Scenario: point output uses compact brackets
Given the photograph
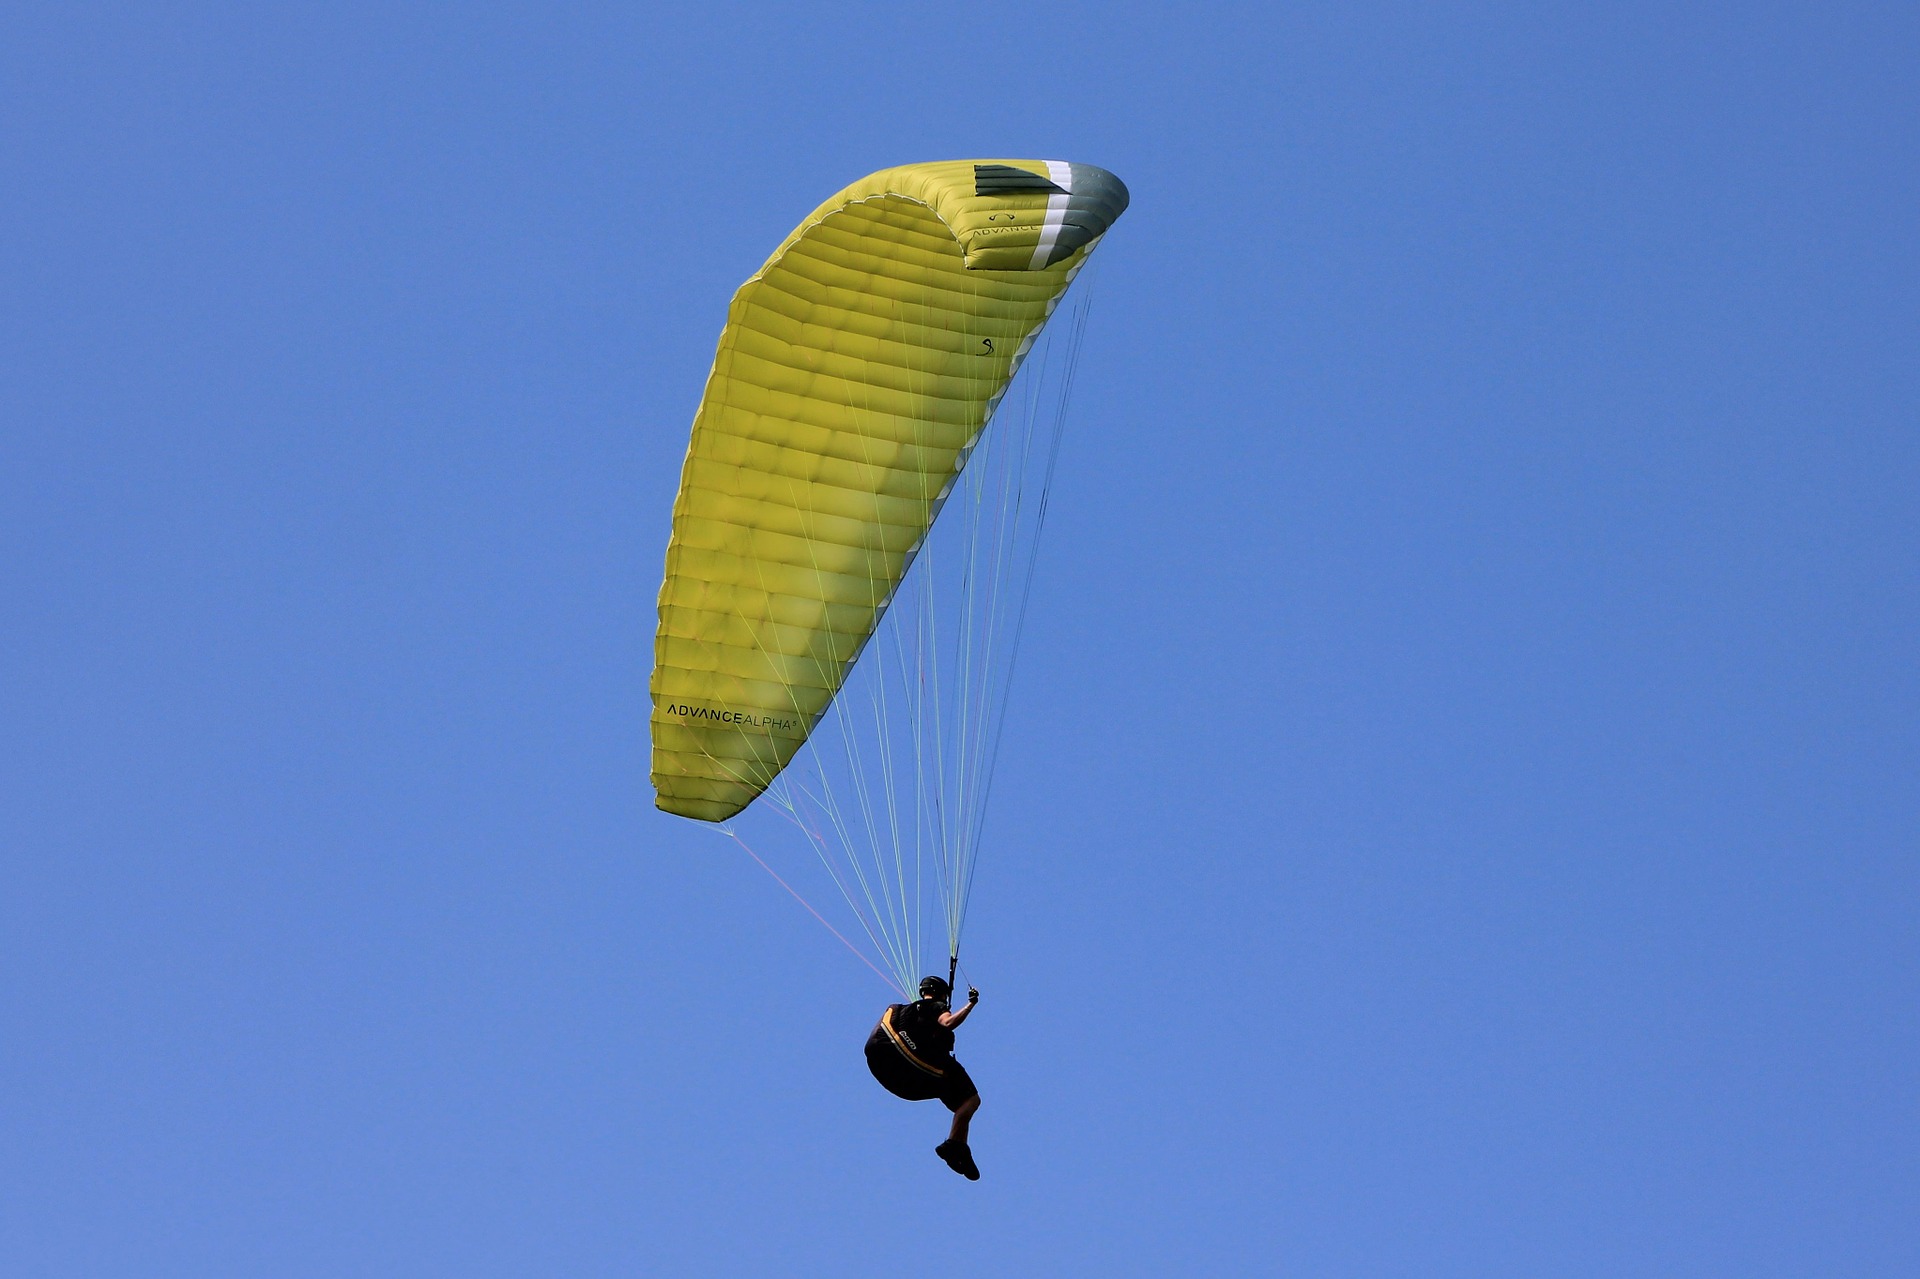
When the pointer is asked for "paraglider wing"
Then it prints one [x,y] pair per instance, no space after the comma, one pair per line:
[855,373]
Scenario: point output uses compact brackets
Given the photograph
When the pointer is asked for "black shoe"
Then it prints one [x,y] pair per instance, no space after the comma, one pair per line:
[959,1158]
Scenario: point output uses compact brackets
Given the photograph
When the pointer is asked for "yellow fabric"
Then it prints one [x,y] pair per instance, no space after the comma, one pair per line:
[856,370]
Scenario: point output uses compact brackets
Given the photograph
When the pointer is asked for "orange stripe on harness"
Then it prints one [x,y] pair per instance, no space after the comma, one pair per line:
[886,1023]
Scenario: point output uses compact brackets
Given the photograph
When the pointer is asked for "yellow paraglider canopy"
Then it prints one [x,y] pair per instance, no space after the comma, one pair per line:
[854,376]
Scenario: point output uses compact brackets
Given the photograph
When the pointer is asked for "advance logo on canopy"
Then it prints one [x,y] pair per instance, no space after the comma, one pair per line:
[698,715]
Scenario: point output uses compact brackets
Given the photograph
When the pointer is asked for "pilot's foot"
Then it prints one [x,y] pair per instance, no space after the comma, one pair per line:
[959,1158]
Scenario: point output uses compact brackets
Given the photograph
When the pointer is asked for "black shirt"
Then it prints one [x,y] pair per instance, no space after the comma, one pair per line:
[919,1024]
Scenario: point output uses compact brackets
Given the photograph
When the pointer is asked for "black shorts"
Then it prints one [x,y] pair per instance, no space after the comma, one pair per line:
[952,1087]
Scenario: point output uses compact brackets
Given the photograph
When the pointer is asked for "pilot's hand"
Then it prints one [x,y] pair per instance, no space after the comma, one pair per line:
[973,994]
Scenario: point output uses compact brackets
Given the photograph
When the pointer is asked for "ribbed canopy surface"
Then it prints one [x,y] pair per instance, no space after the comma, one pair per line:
[855,372]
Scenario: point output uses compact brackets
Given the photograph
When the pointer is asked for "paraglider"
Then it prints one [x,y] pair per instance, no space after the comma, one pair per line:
[848,404]
[911,1053]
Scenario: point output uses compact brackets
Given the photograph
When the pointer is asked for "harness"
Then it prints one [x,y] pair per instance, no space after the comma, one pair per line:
[906,1046]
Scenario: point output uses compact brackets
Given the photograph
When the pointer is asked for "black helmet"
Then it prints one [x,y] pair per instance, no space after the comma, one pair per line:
[935,988]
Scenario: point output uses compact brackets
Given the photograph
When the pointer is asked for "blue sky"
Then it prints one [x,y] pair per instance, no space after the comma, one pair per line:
[1458,810]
